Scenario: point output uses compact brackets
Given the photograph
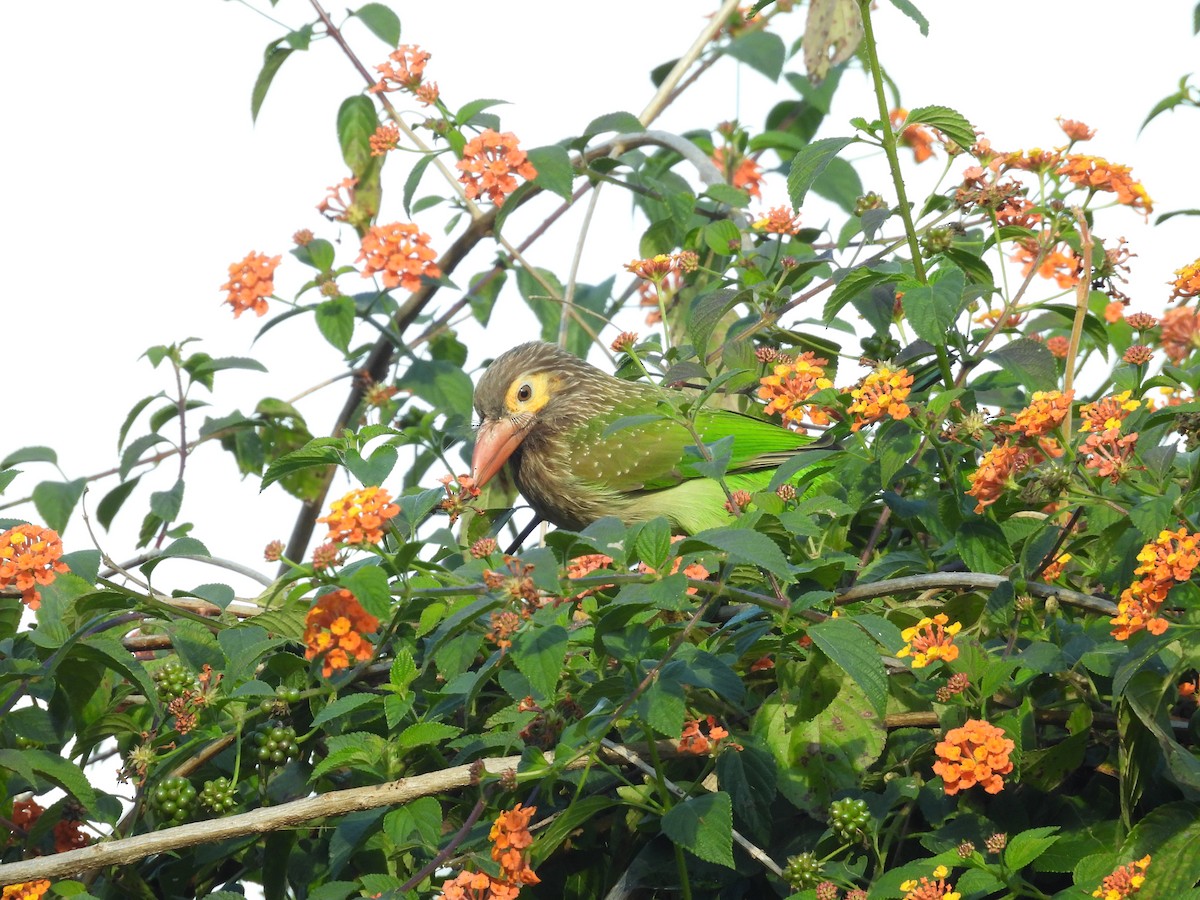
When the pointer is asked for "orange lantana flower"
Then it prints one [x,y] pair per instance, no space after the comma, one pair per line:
[250,282]
[930,640]
[1108,412]
[1124,881]
[29,556]
[359,517]
[404,72]
[489,162]
[976,753]
[882,393]
[340,197]
[780,220]
[791,384]
[335,628]
[742,172]
[385,138]
[1180,332]
[1058,346]
[1188,283]
[1099,174]
[1109,452]
[995,469]
[26,890]
[1045,413]
[400,253]
[930,890]
[693,740]
[1076,131]
[511,840]
[1167,561]
[1060,264]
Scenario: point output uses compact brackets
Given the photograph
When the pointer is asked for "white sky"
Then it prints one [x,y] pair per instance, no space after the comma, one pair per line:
[135,177]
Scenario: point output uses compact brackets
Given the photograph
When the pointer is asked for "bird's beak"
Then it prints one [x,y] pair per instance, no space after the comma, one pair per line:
[494,444]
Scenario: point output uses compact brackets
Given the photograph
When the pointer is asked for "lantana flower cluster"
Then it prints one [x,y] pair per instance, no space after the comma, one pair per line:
[1124,881]
[336,628]
[925,889]
[360,516]
[1165,562]
[490,163]
[929,640]
[250,283]
[881,394]
[791,384]
[400,254]
[29,557]
[511,841]
[976,753]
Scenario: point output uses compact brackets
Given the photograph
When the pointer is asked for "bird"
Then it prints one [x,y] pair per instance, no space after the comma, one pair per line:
[582,444]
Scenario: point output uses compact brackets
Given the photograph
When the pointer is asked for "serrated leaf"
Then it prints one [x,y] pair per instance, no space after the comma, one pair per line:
[554,171]
[342,706]
[30,454]
[369,585]
[809,163]
[55,501]
[620,122]
[983,547]
[538,653]
[166,504]
[424,733]
[317,452]
[215,593]
[855,282]
[855,653]
[743,546]
[356,122]
[703,826]
[382,22]
[1025,847]
[946,120]
[906,7]
[1030,361]
[933,309]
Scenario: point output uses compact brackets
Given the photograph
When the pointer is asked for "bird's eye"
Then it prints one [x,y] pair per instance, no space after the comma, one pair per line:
[525,392]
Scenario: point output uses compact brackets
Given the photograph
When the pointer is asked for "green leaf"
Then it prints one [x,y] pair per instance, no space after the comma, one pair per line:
[950,123]
[722,237]
[133,453]
[703,826]
[107,508]
[810,163]
[443,385]
[30,454]
[273,57]
[424,733]
[7,477]
[853,283]
[472,108]
[763,51]
[983,547]
[840,184]
[369,585]
[335,321]
[619,122]
[382,22]
[55,501]
[418,822]
[356,122]
[855,653]
[317,452]
[653,543]
[554,171]
[538,653]
[1027,846]
[1029,361]
[166,504]
[932,309]
[743,546]
[217,594]
[372,472]
[906,7]
[63,773]
[342,706]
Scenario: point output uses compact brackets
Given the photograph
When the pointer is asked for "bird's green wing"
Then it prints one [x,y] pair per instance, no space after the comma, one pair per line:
[634,448]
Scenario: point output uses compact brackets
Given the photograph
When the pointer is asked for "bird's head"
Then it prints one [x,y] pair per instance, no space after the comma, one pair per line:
[535,389]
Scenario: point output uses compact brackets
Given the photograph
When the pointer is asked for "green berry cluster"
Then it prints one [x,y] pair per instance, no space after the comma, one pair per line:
[849,818]
[284,697]
[219,796]
[937,240]
[172,800]
[880,346]
[275,744]
[173,679]
[803,871]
